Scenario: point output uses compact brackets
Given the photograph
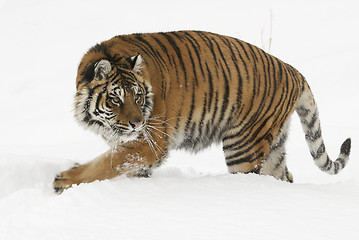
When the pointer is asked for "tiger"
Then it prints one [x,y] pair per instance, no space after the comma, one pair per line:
[149,93]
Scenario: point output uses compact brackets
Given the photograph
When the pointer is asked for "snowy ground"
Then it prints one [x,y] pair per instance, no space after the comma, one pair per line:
[192,196]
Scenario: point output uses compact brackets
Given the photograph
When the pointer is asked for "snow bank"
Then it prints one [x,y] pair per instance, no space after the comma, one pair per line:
[175,205]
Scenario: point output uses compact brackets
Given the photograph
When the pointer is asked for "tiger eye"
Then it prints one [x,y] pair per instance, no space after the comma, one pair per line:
[116,101]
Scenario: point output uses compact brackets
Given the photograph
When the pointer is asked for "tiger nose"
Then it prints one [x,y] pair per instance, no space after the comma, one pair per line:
[136,123]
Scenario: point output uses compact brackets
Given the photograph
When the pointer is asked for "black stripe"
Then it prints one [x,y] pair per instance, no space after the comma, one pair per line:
[222,57]
[239,161]
[302,111]
[209,44]
[327,166]
[255,71]
[252,52]
[164,52]
[280,68]
[254,137]
[341,161]
[336,167]
[321,150]
[179,119]
[250,158]
[201,121]
[242,46]
[271,67]
[192,131]
[263,75]
[87,117]
[98,107]
[193,66]
[215,108]
[330,166]
[313,136]
[313,120]
[244,63]
[281,159]
[230,118]
[190,115]
[146,49]
[210,83]
[95,122]
[282,140]
[225,96]
[254,117]
[240,153]
[89,99]
[154,54]
[253,122]
[212,124]
[235,62]
[287,175]
[196,47]
[174,45]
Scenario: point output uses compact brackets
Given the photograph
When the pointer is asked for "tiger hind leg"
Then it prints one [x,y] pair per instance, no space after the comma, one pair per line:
[242,156]
[275,162]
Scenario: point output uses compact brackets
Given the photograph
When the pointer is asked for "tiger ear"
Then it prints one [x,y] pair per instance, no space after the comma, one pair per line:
[102,68]
[136,63]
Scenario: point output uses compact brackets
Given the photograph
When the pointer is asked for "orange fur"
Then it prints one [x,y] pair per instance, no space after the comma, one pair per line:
[205,88]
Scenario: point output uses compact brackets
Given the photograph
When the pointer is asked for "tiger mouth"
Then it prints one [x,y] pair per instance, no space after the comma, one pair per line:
[128,131]
[116,136]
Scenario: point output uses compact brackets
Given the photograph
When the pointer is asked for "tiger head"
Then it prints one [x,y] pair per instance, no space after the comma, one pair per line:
[113,99]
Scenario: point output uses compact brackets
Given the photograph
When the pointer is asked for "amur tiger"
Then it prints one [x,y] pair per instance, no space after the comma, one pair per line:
[146,94]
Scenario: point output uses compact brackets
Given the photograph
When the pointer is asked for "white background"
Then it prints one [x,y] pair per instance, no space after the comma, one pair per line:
[191,196]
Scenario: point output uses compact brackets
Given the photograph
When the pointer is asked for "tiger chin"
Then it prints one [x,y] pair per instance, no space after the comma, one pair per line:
[146,94]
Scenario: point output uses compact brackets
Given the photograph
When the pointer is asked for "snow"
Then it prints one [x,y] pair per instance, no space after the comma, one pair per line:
[191,196]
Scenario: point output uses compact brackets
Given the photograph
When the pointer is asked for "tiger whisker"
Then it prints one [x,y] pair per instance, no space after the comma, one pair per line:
[159,120]
[162,123]
[113,147]
[112,135]
[152,131]
[150,144]
[155,143]
[155,128]
[159,115]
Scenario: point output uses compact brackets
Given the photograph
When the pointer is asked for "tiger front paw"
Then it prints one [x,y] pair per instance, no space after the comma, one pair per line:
[66,179]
